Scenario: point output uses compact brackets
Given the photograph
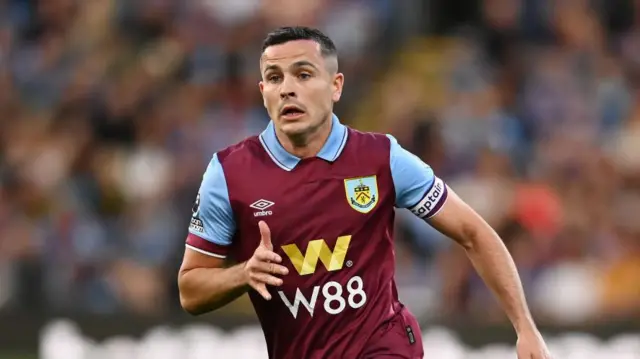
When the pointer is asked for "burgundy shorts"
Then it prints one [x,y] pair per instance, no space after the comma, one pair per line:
[399,338]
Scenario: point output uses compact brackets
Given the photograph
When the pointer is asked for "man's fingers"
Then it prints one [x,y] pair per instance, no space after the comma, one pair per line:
[265,234]
[533,355]
[266,279]
[271,268]
[267,256]
[261,288]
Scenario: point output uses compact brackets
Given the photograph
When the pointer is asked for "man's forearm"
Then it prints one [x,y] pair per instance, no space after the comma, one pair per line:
[495,265]
[206,289]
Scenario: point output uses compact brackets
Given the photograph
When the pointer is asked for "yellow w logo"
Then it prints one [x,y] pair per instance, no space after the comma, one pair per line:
[318,249]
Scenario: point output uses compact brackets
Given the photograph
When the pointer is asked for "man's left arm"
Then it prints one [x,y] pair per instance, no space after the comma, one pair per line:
[489,256]
[428,197]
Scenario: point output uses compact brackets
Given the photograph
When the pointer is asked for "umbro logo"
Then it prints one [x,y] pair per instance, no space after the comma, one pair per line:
[261,205]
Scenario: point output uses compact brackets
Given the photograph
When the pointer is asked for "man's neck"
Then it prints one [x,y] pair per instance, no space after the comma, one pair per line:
[308,145]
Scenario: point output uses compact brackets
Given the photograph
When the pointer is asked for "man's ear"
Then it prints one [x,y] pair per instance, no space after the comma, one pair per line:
[261,86]
[338,85]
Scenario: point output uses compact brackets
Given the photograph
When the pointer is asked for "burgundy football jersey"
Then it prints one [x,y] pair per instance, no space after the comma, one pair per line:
[332,221]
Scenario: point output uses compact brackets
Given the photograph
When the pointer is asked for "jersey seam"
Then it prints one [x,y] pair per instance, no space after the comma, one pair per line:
[423,194]
[209,239]
[232,214]
[194,248]
[272,155]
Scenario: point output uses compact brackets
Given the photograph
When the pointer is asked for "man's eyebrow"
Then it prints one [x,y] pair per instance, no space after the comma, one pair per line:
[271,67]
[298,64]
[304,63]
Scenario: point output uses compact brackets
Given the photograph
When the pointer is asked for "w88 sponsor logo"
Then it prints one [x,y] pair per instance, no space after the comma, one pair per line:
[333,292]
[334,298]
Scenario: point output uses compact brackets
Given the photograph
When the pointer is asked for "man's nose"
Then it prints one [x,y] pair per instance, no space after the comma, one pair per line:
[286,94]
[287,90]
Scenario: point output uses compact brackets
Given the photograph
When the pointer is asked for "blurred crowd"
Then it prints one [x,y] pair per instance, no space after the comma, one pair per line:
[530,110]
[111,109]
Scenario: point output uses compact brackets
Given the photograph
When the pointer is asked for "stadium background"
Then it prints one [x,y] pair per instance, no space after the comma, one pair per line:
[111,109]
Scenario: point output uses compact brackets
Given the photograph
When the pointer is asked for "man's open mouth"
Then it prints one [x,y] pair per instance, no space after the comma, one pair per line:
[291,111]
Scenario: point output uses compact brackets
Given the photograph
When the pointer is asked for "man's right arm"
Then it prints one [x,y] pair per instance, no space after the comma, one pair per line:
[205,281]
[206,284]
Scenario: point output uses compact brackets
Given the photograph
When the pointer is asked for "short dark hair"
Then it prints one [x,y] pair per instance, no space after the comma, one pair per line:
[292,33]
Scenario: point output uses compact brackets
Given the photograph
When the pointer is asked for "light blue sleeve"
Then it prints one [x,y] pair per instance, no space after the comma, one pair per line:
[417,187]
[212,217]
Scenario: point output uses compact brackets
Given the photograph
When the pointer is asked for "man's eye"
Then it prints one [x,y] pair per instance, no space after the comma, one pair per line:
[304,76]
[273,78]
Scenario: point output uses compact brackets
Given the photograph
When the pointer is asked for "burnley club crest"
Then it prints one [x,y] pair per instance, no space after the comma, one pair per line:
[362,193]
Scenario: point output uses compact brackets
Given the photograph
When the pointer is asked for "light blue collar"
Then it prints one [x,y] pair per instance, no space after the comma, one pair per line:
[285,160]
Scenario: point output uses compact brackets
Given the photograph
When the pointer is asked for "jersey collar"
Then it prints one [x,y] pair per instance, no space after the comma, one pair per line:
[285,160]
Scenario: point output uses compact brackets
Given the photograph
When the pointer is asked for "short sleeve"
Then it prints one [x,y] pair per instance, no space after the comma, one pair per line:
[212,224]
[417,188]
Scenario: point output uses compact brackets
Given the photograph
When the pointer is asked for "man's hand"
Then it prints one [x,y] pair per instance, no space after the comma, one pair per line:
[260,269]
[531,346]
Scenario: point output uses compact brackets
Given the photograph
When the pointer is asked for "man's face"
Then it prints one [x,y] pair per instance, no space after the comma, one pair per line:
[299,86]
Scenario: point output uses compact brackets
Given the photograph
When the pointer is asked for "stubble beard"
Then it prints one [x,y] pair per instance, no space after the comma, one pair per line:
[302,135]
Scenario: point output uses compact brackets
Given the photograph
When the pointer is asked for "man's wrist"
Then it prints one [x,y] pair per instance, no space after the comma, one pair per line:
[243,276]
[525,326]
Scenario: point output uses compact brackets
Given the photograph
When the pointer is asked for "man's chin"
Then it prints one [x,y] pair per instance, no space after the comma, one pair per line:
[294,128]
